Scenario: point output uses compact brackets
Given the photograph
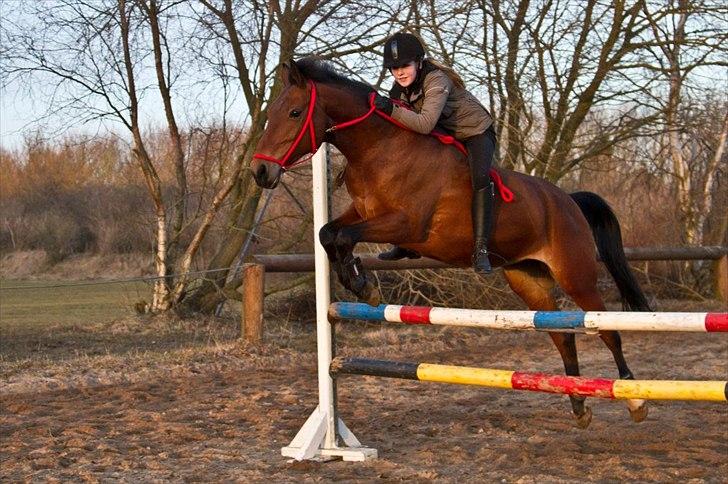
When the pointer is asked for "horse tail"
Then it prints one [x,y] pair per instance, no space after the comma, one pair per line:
[608,238]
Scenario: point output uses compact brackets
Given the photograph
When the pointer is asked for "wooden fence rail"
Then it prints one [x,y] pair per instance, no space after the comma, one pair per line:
[304,262]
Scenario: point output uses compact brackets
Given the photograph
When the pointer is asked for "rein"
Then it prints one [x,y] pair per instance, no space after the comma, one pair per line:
[444,138]
[505,193]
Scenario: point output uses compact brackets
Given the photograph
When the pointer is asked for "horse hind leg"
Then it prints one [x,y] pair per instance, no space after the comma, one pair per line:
[584,293]
[637,408]
[532,282]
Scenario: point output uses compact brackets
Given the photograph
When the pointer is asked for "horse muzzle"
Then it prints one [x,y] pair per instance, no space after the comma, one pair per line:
[267,175]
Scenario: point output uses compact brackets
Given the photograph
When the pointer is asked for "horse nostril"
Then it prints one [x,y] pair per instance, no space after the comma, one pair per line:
[260,173]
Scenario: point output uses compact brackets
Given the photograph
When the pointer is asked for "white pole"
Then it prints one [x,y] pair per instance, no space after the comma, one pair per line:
[323,293]
[317,437]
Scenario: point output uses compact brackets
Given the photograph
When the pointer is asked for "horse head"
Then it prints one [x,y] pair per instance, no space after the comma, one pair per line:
[294,125]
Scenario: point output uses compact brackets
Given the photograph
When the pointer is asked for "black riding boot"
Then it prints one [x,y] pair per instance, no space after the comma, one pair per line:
[397,253]
[482,212]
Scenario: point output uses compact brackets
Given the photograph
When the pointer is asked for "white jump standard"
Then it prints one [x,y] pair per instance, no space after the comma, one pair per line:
[318,436]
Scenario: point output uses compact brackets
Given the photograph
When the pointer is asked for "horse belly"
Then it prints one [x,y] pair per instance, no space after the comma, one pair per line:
[449,239]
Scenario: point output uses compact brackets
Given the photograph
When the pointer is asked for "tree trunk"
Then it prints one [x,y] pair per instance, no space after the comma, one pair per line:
[246,193]
[160,298]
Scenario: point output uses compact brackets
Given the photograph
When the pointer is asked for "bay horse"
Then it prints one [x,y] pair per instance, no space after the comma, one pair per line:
[412,190]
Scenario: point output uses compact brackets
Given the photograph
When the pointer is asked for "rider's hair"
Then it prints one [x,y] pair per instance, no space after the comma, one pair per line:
[449,72]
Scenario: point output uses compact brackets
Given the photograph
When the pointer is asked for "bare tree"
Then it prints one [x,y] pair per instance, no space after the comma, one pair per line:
[261,36]
[93,57]
[568,83]
[689,37]
[562,64]
[102,60]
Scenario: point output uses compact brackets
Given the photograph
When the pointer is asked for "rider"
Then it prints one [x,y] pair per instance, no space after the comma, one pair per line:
[438,96]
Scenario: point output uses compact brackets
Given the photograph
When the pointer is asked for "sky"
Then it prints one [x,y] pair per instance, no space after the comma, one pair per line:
[18,112]
[196,98]
[23,112]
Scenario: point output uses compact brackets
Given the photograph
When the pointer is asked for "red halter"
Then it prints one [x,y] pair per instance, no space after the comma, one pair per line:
[307,124]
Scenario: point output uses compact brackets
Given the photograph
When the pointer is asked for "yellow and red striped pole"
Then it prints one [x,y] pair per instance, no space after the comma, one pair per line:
[714,391]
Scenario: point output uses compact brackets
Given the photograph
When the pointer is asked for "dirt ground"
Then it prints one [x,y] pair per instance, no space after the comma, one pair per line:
[222,413]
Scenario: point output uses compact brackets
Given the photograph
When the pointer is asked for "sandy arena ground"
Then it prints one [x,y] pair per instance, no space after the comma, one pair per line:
[225,414]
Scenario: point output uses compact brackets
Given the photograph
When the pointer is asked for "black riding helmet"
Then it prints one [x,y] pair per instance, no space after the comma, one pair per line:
[401,49]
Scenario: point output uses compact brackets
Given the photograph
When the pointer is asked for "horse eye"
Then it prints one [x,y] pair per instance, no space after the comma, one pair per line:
[294,113]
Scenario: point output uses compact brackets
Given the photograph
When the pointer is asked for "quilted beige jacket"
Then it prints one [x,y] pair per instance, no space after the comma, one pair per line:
[439,103]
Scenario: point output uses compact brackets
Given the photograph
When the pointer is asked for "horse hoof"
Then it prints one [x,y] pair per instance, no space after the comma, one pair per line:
[639,414]
[583,420]
[373,297]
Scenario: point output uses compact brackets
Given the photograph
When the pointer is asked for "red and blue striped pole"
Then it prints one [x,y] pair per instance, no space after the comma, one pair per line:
[589,321]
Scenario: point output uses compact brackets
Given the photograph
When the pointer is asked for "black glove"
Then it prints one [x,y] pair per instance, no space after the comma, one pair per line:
[384,104]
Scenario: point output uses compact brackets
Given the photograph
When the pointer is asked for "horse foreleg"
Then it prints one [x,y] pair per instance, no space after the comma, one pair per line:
[389,228]
[328,235]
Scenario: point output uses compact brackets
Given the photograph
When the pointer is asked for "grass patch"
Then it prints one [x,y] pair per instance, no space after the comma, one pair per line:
[40,325]
[31,305]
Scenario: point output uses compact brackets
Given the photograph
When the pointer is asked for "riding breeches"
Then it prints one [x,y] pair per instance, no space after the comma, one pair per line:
[480,157]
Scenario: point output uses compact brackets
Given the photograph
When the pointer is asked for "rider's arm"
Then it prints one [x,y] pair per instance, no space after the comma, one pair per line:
[436,89]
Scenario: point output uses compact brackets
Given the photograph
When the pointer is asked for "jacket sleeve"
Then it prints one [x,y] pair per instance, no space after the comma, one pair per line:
[435,93]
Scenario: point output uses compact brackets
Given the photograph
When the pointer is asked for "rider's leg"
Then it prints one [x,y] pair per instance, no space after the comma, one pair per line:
[480,156]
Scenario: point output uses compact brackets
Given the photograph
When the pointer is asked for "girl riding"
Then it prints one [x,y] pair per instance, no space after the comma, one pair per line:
[438,97]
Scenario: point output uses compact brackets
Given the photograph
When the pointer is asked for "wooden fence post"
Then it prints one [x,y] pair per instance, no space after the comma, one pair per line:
[253,294]
[721,278]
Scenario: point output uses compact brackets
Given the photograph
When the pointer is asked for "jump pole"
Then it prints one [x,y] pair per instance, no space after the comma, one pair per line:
[317,439]
[710,391]
[573,321]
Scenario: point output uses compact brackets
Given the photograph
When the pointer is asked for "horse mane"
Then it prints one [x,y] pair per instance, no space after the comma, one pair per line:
[319,70]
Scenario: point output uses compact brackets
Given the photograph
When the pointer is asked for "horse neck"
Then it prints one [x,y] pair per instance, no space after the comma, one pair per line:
[355,141]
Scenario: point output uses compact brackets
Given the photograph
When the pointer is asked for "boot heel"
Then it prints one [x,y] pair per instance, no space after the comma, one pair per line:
[481,262]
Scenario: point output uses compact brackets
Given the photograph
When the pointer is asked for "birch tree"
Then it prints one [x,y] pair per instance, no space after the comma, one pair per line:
[690,37]
[92,59]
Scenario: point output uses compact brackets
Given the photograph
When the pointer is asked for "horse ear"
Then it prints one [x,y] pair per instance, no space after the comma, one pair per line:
[291,74]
